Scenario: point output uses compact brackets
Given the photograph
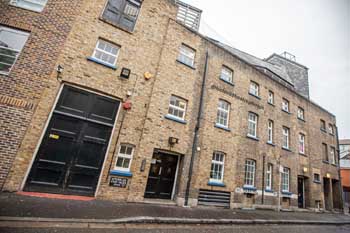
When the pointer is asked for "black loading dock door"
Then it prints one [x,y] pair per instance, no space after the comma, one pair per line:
[72,151]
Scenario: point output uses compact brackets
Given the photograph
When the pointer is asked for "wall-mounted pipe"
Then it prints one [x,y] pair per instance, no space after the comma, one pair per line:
[196,130]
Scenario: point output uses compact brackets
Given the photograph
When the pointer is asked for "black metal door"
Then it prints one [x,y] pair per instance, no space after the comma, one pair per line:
[72,152]
[161,176]
[300,192]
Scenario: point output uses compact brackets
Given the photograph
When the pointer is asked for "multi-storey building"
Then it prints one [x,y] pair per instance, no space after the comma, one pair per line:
[125,100]
[344,156]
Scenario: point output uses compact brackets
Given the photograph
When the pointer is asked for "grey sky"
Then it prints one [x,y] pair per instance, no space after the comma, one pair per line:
[317,32]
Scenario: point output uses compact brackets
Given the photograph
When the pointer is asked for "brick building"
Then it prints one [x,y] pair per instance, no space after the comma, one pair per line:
[125,100]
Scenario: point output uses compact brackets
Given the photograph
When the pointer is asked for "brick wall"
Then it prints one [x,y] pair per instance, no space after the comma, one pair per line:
[22,88]
[153,47]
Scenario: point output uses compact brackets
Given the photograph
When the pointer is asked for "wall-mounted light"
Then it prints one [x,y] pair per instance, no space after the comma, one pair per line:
[328,175]
[125,73]
[59,69]
[172,141]
[305,169]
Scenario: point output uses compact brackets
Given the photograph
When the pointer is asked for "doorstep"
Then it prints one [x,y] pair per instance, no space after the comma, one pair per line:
[159,201]
[56,196]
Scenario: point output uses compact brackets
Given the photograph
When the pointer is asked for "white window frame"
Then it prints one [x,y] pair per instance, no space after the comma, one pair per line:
[249,173]
[301,113]
[22,33]
[301,143]
[285,137]
[186,55]
[285,179]
[332,155]
[221,111]
[124,156]
[252,124]
[178,108]
[271,98]
[270,131]
[285,105]
[331,129]
[17,3]
[106,52]
[254,88]
[218,163]
[269,172]
[226,74]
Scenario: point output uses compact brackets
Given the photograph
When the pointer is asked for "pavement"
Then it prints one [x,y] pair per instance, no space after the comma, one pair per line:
[27,209]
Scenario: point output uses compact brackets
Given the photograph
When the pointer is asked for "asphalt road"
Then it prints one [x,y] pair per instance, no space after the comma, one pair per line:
[191,229]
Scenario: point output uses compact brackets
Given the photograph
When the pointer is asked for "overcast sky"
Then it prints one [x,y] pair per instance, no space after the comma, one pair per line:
[317,32]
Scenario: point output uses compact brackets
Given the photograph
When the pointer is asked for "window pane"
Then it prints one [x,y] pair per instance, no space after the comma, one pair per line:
[106,52]
[36,5]
[120,162]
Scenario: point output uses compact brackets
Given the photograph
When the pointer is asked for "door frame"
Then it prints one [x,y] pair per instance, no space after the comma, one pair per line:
[34,154]
[303,179]
[179,156]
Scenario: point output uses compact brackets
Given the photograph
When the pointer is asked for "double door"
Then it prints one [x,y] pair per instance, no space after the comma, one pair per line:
[161,176]
[71,154]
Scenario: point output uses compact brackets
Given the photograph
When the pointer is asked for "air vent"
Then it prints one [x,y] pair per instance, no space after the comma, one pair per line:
[188,15]
[214,198]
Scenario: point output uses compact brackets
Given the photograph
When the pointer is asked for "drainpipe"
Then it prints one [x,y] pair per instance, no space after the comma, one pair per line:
[338,168]
[196,130]
[263,181]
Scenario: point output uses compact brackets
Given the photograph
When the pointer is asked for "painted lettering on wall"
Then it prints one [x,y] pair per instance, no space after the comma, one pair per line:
[232,94]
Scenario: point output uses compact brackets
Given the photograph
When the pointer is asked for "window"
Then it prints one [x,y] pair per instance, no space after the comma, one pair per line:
[254,88]
[186,55]
[285,139]
[34,5]
[270,131]
[124,157]
[269,176]
[11,43]
[249,177]
[285,105]
[106,52]
[285,179]
[177,107]
[122,13]
[301,143]
[331,129]
[301,113]
[226,74]
[252,124]
[217,167]
[325,152]
[271,98]
[323,125]
[332,154]
[223,113]
[317,177]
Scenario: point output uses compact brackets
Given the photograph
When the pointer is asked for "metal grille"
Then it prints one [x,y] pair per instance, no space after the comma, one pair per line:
[188,15]
[214,198]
